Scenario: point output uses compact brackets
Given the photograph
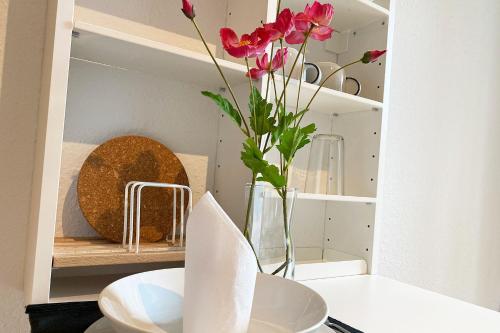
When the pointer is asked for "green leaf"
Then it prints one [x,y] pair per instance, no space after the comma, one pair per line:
[284,121]
[225,106]
[299,114]
[260,113]
[293,139]
[309,129]
[271,174]
[288,143]
[252,157]
[306,133]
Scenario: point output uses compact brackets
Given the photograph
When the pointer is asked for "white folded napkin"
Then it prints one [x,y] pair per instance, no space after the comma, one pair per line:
[220,272]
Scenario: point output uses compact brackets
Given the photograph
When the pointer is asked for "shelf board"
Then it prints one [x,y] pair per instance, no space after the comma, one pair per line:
[334,264]
[340,198]
[349,14]
[327,101]
[83,252]
[126,51]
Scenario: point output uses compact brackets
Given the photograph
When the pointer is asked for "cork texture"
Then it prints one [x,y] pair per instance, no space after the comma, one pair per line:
[107,170]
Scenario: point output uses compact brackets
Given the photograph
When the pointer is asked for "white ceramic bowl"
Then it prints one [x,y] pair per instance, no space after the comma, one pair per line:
[151,302]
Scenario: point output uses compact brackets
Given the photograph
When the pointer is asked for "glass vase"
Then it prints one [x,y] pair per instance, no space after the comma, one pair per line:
[270,228]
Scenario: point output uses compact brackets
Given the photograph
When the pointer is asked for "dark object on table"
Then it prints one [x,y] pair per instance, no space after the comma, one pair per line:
[340,327]
[63,317]
[106,172]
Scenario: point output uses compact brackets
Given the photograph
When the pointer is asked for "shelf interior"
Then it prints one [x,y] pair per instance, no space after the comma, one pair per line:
[327,101]
[129,52]
[330,264]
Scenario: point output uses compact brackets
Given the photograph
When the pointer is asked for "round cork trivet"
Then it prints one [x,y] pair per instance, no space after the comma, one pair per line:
[106,172]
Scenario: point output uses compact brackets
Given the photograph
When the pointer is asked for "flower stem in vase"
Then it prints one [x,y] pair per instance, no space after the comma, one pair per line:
[287,232]
[247,220]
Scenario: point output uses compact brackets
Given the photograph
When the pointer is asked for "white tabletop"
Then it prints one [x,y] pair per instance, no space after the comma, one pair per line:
[375,304]
[104,326]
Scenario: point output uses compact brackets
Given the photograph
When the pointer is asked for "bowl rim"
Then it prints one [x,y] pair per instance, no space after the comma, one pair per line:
[300,285]
[129,325]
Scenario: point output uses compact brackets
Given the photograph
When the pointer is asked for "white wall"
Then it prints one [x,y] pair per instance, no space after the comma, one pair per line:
[438,224]
[21,47]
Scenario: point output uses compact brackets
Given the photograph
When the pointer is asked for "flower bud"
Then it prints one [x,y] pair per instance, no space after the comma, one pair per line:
[188,9]
[371,56]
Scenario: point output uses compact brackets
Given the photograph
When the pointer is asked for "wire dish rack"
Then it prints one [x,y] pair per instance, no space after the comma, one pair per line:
[132,213]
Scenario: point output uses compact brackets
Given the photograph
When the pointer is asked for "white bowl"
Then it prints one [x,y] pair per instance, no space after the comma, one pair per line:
[151,302]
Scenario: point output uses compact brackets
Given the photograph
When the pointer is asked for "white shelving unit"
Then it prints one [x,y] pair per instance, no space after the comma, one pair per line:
[105,76]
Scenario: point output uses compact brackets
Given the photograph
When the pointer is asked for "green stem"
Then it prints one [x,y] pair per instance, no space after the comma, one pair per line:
[293,66]
[249,206]
[264,149]
[256,136]
[275,91]
[247,220]
[223,77]
[300,81]
[270,63]
[267,85]
[288,240]
[284,86]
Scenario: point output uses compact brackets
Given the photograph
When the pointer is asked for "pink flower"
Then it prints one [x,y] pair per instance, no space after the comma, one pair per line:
[248,46]
[281,28]
[320,15]
[188,9]
[263,65]
[371,56]
[315,18]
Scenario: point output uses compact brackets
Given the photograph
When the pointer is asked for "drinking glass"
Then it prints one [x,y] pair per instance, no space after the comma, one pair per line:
[325,169]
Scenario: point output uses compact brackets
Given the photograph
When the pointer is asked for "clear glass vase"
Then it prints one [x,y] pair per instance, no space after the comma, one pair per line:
[269,229]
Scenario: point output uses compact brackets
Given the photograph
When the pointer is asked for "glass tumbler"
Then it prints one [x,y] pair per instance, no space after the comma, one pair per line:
[325,169]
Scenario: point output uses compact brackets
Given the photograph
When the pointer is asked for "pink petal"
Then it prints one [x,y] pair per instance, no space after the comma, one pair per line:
[188,9]
[321,33]
[284,22]
[254,37]
[375,54]
[268,30]
[371,56]
[228,38]
[279,59]
[255,73]
[261,45]
[239,52]
[321,14]
[296,37]
[302,22]
[263,63]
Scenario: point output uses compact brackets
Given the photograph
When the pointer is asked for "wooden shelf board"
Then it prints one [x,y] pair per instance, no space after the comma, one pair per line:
[327,101]
[82,252]
[341,198]
[125,51]
[349,14]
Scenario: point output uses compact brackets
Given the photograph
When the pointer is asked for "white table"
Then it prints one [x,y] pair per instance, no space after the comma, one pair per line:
[375,304]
